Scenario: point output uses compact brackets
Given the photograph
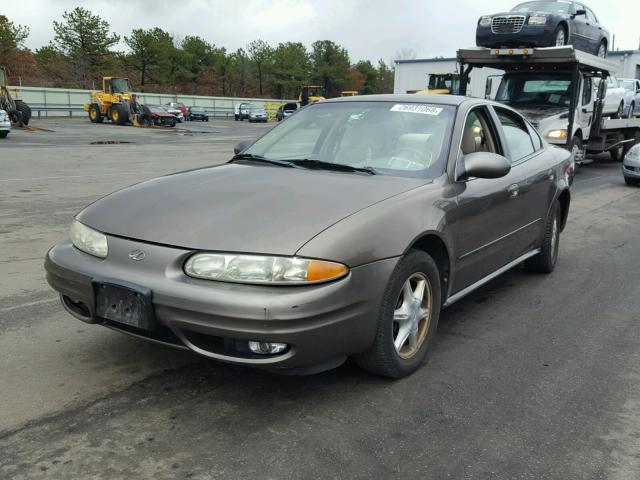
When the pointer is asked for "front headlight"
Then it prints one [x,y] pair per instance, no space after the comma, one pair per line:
[537,19]
[557,134]
[485,21]
[88,240]
[258,269]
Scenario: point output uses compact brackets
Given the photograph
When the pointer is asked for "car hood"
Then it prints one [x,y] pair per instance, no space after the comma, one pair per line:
[240,207]
[536,113]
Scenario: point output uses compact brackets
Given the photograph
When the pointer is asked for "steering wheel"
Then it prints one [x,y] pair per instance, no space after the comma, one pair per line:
[408,154]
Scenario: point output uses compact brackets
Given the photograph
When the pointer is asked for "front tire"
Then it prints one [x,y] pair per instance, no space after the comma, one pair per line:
[631,181]
[617,154]
[407,320]
[94,114]
[25,110]
[620,112]
[545,261]
[560,37]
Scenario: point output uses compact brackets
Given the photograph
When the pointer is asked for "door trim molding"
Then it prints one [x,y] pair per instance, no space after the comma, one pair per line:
[476,250]
[465,291]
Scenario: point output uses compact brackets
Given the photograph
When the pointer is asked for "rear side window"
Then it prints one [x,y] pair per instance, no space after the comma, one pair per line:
[516,135]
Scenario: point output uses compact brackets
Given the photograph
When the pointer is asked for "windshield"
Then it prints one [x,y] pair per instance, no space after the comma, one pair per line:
[551,7]
[178,105]
[120,85]
[536,89]
[629,86]
[316,92]
[393,138]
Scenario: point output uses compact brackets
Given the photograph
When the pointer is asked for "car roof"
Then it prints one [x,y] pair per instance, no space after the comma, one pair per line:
[454,100]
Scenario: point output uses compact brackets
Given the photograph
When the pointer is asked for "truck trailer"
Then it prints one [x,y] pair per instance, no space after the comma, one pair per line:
[561,91]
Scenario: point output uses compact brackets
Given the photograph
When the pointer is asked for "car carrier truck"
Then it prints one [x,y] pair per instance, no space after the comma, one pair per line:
[558,90]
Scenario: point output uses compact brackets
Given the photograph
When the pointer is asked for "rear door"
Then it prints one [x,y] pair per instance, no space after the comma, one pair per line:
[594,30]
[484,234]
[581,28]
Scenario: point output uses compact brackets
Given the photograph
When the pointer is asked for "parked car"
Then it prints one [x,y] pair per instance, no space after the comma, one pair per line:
[198,113]
[340,232]
[614,105]
[182,107]
[257,114]
[176,112]
[631,166]
[160,116]
[631,96]
[286,110]
[5,124]
[242,111]
[544,23]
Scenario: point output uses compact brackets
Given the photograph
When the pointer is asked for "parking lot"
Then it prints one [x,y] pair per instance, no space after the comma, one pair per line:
[531,377]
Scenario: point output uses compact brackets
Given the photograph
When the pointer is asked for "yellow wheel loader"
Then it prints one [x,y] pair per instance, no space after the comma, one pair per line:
[311,94]
[19,112]
[443,84]
[349,93]
[116,103]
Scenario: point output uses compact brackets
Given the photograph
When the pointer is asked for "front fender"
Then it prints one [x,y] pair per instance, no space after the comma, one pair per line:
[386,229]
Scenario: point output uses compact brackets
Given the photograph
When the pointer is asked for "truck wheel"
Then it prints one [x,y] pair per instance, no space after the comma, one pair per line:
[560,37]
[94,114]
[577,148]
[25,110]
[119,114]
[407,319]
[545,261]
[617,153]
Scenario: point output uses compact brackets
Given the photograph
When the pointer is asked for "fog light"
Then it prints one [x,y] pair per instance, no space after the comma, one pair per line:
[267,348]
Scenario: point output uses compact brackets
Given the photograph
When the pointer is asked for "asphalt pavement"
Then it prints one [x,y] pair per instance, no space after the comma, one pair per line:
[532,376]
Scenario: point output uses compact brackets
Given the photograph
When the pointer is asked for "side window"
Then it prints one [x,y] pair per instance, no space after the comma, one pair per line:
[590,15]
[587,90]
[516,134]
[478,135]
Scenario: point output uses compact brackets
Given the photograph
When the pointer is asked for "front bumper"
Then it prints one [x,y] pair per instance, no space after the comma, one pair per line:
[529,36]
[631,171]
[321,323]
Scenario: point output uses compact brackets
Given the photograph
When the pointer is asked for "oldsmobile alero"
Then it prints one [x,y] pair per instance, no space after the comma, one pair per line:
[341,232]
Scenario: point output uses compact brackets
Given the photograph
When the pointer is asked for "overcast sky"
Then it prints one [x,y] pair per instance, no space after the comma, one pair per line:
[368,29]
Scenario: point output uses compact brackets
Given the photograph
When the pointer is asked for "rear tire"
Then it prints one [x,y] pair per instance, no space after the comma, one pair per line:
[398,316]
[620,112]
[25,110]
[601,51]
[545,261]
[4,134]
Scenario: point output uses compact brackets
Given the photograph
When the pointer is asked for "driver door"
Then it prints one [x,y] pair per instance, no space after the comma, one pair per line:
[483,234]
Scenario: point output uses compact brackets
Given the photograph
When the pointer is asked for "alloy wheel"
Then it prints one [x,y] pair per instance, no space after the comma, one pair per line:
[412,315]
[602,51]
[560,38]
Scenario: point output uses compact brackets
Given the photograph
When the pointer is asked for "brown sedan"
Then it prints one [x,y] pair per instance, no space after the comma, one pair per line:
[341,232]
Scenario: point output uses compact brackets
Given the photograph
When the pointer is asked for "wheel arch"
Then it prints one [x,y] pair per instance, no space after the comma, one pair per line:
[564,199]
[434,245]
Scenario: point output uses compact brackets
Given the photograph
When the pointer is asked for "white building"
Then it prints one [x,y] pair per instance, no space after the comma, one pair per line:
[413,75]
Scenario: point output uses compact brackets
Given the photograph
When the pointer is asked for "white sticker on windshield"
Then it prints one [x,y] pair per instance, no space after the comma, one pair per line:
[415,108]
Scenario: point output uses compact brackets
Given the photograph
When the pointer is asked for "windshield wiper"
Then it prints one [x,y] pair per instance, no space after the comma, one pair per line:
[260,158]
[322,165]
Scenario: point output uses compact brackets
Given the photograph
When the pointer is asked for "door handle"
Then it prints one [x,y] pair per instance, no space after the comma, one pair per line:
[513,190]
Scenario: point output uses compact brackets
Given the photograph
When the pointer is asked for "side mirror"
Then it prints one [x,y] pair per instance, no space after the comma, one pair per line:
[484,165]
[242,146]
[580,12]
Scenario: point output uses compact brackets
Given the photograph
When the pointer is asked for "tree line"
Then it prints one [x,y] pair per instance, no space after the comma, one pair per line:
[84,49]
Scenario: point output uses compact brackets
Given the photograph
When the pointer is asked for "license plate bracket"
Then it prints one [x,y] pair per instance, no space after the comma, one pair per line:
[123,303]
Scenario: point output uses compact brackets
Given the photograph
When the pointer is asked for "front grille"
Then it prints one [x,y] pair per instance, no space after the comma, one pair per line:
[509,24]
[632,169]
